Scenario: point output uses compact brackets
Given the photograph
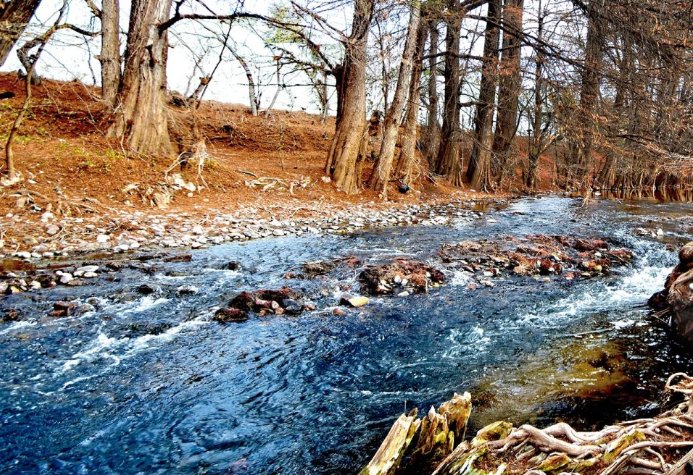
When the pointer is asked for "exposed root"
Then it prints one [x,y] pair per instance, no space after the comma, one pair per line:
[648,446]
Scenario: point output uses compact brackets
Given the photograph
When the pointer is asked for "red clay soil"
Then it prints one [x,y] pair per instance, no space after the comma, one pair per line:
[62,151]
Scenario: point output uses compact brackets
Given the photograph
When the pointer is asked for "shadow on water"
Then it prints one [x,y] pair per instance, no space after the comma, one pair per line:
[147,383]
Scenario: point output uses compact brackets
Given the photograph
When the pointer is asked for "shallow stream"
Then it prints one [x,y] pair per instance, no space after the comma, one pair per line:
[149,384]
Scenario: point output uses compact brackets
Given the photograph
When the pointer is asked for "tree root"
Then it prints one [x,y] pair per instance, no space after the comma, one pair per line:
[648,446]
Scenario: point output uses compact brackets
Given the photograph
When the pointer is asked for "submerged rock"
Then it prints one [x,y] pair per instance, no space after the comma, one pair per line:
[676,300]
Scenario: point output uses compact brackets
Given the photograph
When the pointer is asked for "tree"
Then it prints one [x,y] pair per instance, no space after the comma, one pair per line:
[141,120]
[479,170]
[393,118]
[449,160]
[351,120]
[407,154]
[109,14]
[510,85]
[14,16]
[432,123]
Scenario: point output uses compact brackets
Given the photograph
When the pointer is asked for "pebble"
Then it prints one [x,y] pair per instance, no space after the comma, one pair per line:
[103,238]
[66,278]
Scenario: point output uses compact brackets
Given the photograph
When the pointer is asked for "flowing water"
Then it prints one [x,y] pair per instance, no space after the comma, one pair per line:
[149,384]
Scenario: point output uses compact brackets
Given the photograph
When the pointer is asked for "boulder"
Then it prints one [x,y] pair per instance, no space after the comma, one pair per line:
[266,301]
[226,315]
[676,300]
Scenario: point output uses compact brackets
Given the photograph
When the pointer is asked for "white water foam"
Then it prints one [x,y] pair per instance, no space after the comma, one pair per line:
[117,349]
[16,326]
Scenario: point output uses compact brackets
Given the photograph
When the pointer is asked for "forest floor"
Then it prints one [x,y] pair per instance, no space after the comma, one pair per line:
[79,191]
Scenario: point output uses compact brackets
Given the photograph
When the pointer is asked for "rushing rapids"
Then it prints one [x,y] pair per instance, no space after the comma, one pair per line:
[138,376]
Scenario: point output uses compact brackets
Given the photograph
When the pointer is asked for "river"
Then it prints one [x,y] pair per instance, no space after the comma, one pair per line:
[149,384]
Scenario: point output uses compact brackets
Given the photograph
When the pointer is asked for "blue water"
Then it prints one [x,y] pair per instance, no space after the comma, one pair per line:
[149,384]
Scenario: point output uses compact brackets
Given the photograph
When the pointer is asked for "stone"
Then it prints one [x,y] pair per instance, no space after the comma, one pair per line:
[53,229]
[103,238]
[226,315]
[357,301]
[85,269]
[63,309]
[66,278]
[186,290]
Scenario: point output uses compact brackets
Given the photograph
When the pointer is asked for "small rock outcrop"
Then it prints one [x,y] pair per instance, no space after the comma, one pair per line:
[676,300]
[282,301]
[400,276]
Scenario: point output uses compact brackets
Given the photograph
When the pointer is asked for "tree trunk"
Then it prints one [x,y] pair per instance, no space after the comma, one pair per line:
[535,147]
[351,119]
[393,118]
[110,51]
[510,85]
[479,170]
[14,16]
[589,93]
[252,93]
[141,120]
[449,162]
[407,154]
[432,126]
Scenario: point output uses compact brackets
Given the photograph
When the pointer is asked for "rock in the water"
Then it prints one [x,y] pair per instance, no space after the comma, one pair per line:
[226,315]
[358,301]
[262,302]
[63,309]
[66,278]
[187,290]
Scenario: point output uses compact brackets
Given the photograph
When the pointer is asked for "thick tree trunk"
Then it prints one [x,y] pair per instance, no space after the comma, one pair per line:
[141,119]
[479,170]
[14,16]
[510,85]
[589,93]
[407,154]
[432,125]
[449,162]
[351,116]
[393,118]
[110,51]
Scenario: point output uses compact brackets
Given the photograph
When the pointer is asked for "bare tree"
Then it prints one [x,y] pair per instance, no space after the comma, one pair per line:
[393,118]
[141,122]
[479,170]
[342,159]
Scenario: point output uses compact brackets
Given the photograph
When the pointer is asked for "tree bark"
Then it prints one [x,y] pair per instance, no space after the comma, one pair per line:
[407,154]
[479,170]
[14,17]
[252,92]
[141,119]
[535,146]
[393,118]
[433,126]
[351,119]
[110,51]
[510,85]
[449,160]
[589,93]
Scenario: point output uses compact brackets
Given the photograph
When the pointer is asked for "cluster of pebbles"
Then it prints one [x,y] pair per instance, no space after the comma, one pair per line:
[57,236]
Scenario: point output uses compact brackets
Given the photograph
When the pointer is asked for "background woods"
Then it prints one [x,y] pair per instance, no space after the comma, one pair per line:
[493,95]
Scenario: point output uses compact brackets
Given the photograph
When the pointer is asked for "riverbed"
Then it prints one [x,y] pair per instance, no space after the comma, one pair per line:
[149,383]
